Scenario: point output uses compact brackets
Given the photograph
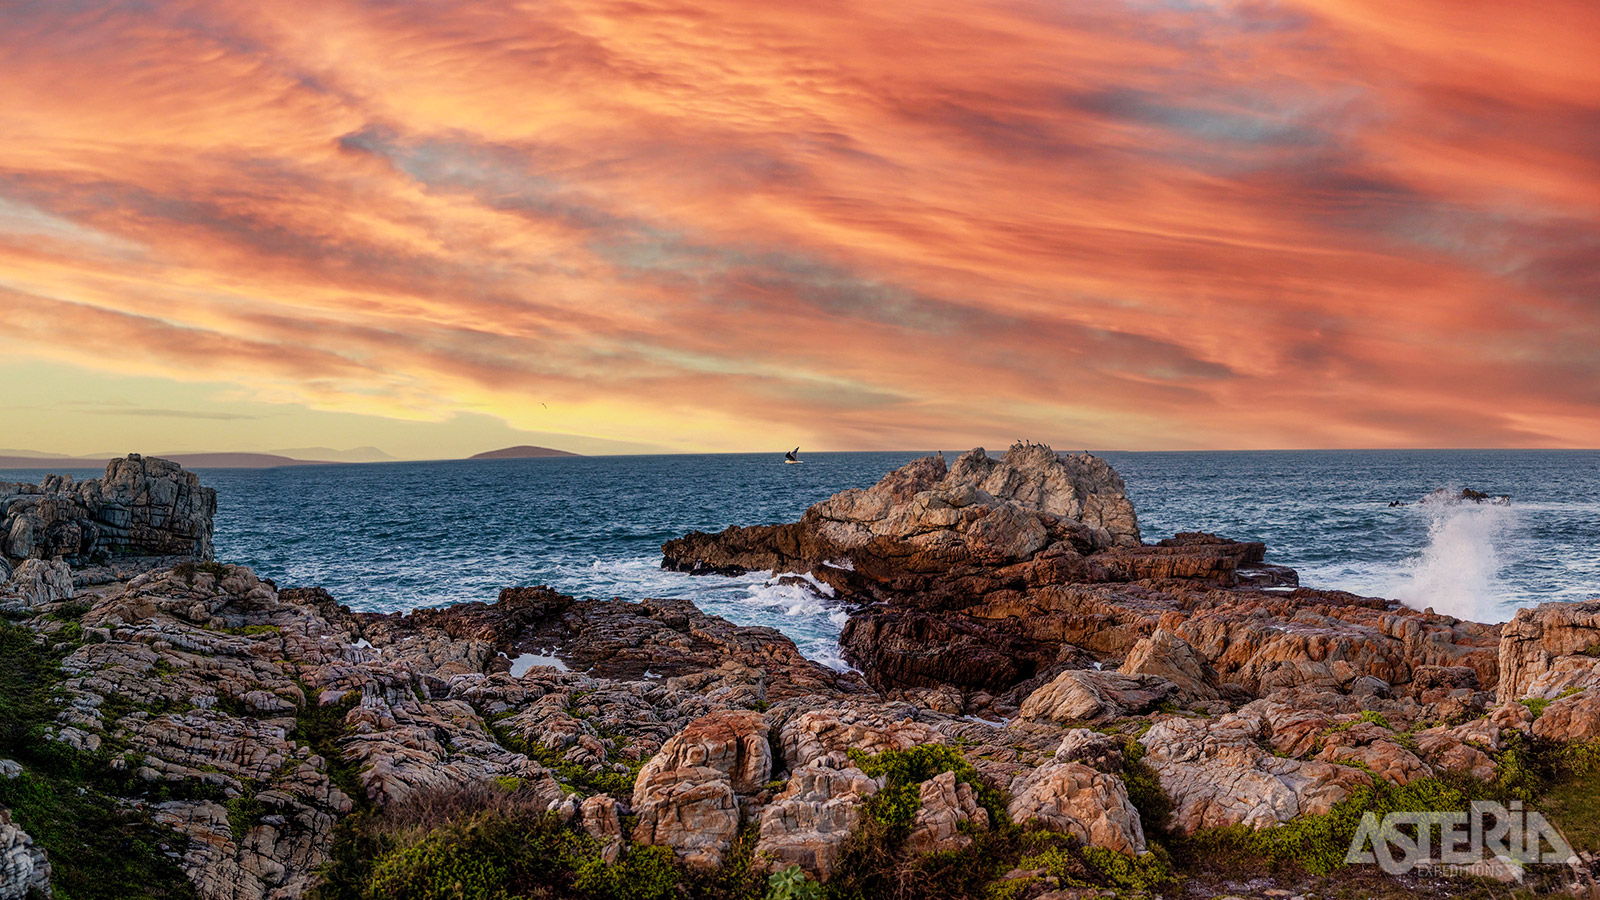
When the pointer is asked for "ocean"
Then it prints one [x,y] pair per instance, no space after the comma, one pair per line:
[397,536]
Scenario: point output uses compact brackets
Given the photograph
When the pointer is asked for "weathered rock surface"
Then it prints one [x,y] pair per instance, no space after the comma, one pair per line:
[995,602]
[1217,774]
[693,810]
[143,506]
[1076,799]
[35,582]
[1088,695]
[808,822]
[1167,656]
[24,871]
[949,808]
[991,577]
[686,795]
[1550,648]
[1571,718]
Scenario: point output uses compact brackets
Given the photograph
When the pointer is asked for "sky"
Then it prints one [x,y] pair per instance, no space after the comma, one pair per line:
[659,225]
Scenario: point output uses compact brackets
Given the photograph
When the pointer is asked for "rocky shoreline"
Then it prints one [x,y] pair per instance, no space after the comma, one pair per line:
[1046,707]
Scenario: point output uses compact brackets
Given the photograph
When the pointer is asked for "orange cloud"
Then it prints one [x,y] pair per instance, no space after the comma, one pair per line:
[1136,224]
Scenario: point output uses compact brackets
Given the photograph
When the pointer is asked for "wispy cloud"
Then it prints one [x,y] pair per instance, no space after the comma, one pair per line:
[1217,223]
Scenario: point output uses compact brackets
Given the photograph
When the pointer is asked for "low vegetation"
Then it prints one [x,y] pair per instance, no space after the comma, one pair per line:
[71,802]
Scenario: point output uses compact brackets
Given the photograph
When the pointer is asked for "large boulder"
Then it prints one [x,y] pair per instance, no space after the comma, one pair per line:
[1572,718]
[1074,798]
[826,736]
[733,743]
[1165,655]
[1090,695]
[1217,774]
[808,823]
[686,795]
[36,582]
[926,517]
[143,506]
[949,809]
[1549,648]
[692,810]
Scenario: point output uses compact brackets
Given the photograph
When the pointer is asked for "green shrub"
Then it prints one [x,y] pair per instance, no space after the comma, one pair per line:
[1319,843]
[482,858]
[905,770]
[244,813]
[1145,791]
[792,883]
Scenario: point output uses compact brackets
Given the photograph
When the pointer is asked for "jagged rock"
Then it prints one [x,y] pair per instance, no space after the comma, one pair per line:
[808,822]
[1217,774]
[733,743]
[692,810]
[24,870]
[598,817]
[1165,655]
[927,517]
[1092,748]
[985,577]
[947,807]
[1574,718]
[1449,750]
[1376,749]
[1548,649]
[1073,798]
[1088,695]
[37,582]
[826,736]
[143,506]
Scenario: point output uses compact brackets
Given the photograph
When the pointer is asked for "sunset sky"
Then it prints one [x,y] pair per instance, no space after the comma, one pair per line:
[445,226]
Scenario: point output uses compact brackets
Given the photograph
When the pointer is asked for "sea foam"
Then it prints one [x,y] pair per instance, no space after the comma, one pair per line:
[1458,573]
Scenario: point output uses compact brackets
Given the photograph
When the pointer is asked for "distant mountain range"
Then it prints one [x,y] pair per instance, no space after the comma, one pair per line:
[304,456]
[523,451]
[328,454]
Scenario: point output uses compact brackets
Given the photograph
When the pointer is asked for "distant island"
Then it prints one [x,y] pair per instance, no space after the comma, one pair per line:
[188,460]
[309,456]
[522,451]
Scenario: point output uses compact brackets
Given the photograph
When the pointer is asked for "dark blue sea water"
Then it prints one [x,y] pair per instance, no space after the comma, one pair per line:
[396,536]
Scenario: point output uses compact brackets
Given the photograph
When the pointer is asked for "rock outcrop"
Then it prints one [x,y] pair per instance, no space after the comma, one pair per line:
[1217,774]
[1075,799]
[1549,649]
[996,606]
[24,871]
[143,506]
